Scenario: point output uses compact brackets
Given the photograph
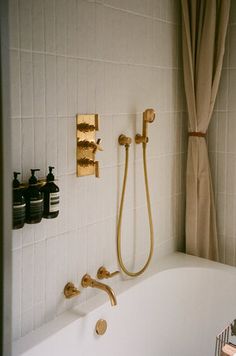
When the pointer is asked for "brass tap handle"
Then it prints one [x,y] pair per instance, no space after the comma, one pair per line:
[71,291]
[97,146]
[85,145]
[104,273]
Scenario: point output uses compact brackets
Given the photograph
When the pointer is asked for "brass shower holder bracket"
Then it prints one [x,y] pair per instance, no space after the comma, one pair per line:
[86,145]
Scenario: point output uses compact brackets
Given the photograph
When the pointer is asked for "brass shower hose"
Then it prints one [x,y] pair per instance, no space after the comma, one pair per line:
[124,269]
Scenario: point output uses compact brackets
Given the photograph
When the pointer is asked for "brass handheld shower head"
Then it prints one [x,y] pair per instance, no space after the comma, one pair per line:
[148,117]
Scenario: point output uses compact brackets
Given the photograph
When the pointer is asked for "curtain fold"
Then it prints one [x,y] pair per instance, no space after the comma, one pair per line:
[204,28]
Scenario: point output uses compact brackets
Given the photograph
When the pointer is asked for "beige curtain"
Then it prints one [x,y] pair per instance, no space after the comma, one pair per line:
[204,27]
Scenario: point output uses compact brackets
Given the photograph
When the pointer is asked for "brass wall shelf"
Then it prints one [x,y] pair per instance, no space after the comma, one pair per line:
[86,145]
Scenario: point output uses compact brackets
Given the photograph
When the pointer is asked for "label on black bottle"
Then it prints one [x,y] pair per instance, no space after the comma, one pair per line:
[36,208]
[53,202]
[18,213]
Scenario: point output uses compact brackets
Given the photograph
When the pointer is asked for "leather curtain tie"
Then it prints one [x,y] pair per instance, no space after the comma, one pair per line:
[197,134]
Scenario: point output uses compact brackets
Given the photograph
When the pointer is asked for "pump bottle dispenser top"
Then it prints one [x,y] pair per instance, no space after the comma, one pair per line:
[34,200]
[18,214]
[51,197]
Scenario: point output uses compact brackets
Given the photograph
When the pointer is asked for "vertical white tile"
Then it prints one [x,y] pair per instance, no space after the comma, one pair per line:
[16,239]
[61,26]
[232,88]
[71,145]
[40,145]
[49,23]
[82,204]
[16,297]
[222,95]
[230,251]
[27,322]
[100,87]
[16,137]
[38,25]
[52,143]
[72,94]
[27,147]
[15,83]
[27,278]
[61,86]
[39,85]
[61,273]
[60,221]
[26,84]
[39,272]
[14,24]
[221,176]
[39,315]
[25,12]
[40,231]
[230,174]
[86,29]
[232,45]
[95,247]
[72,212]
[82,86]
[72,28]
[222,131]
[50,86]
[51,281]
[229,217]
[231,143]
[28,234]
[91,86]
[221,213]
[62,147]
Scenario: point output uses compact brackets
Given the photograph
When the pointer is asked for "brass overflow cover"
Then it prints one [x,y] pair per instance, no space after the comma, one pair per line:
[101,327]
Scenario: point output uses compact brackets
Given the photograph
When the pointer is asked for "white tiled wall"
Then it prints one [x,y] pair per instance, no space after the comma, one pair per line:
[116,58]
[222,146]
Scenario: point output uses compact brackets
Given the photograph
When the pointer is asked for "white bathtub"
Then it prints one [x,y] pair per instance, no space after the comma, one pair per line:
[177,309]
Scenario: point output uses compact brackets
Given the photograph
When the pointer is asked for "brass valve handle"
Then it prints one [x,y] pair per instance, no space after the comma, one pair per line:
[104,273]
[86,162]
[71,291]
[84,144]
[83,127]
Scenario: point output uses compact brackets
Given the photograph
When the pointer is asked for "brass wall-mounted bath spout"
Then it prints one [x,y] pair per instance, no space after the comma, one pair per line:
[87,281]
[148,117]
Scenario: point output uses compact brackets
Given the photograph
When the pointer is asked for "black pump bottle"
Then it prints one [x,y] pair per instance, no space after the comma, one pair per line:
[51,197]
[34,200]
[18,204]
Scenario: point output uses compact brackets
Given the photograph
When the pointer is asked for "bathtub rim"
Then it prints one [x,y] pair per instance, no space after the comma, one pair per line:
[176,260]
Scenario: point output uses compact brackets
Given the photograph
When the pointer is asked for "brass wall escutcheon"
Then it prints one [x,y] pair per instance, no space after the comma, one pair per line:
[86,145]
[101,327]
[70,290]
[104,273]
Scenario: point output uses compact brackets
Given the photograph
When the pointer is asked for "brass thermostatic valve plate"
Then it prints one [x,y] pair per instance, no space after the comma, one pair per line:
[86,145]
[101,327]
